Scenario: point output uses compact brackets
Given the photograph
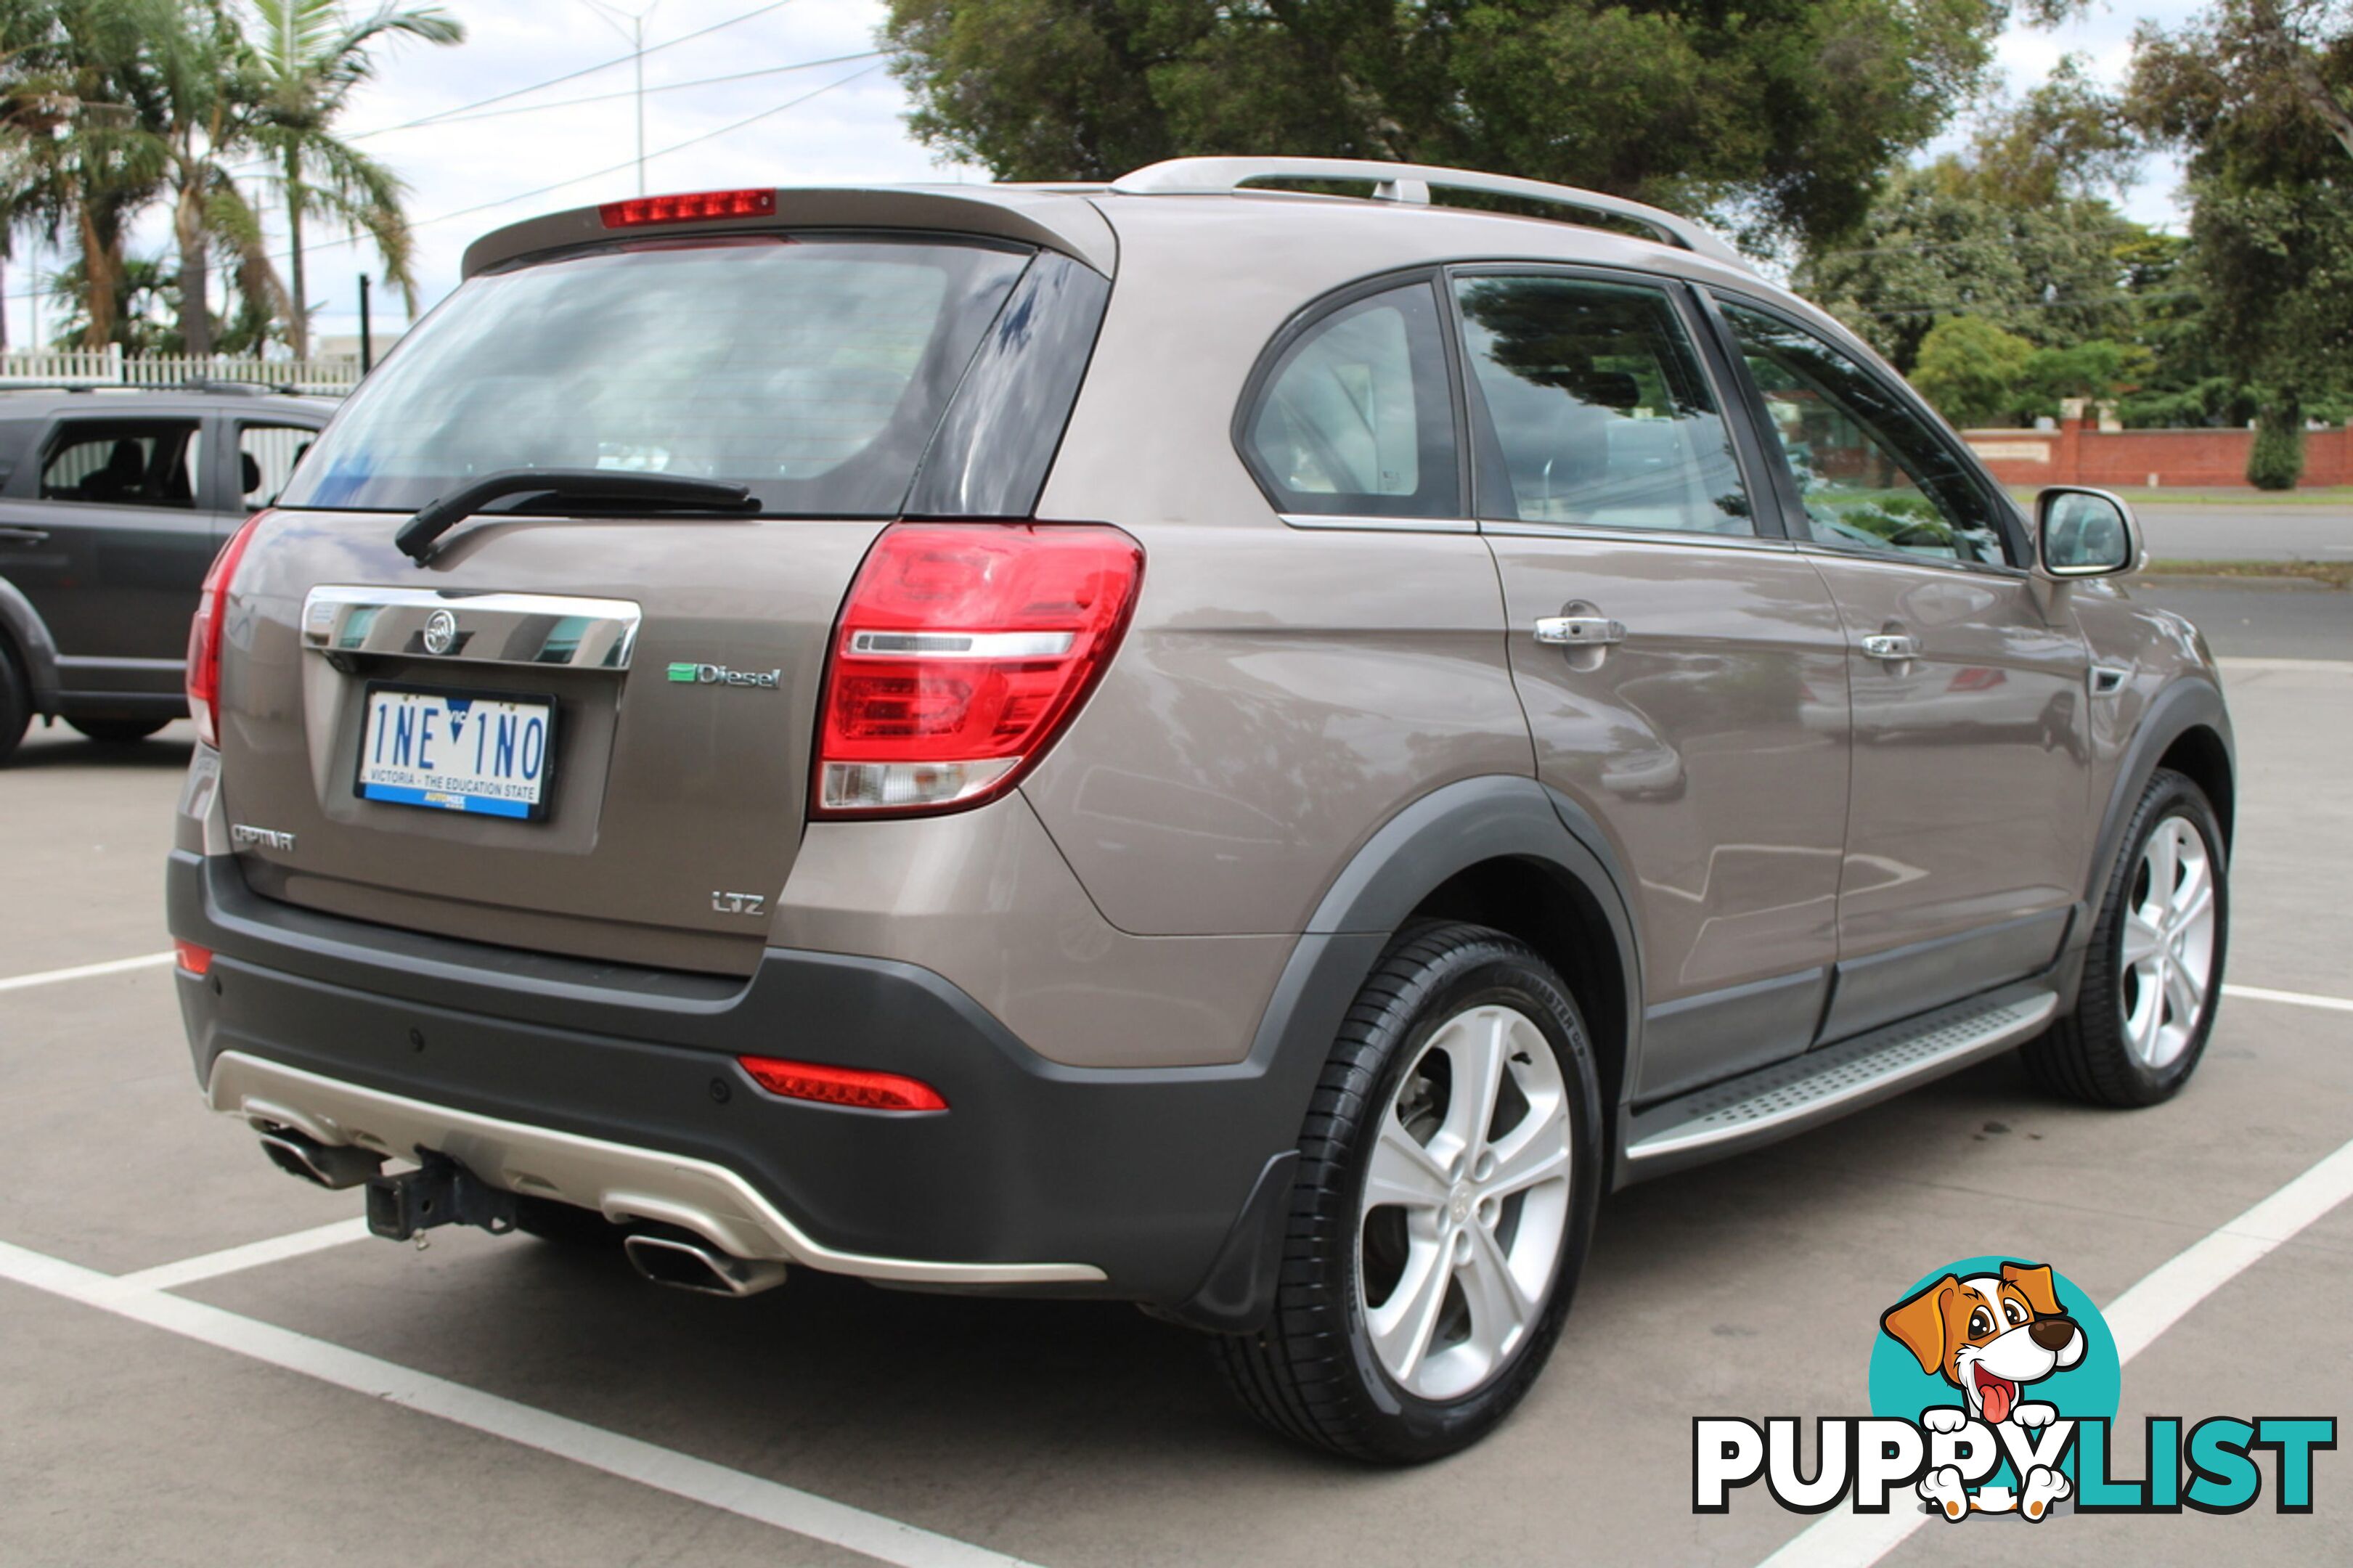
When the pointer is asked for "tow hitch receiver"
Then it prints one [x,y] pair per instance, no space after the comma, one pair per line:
[438,1192]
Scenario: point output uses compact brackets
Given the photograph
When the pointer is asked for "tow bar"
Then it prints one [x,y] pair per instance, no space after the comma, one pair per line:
[438,1192]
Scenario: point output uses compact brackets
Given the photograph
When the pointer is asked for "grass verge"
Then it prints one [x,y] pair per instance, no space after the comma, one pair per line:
[2336,574]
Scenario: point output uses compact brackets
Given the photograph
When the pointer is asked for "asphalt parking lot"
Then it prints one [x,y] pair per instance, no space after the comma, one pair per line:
[203,1360]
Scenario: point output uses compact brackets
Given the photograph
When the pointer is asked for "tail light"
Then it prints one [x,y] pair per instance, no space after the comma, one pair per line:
[963,649]
[192,959]
[205,633]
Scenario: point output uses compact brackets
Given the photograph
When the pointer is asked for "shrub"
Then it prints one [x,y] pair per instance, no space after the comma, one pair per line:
[1970,369]
[2277,460]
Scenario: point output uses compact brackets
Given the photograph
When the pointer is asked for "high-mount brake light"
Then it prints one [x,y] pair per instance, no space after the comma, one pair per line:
[842,1086]
[962,650]
[204,634]
[695,206]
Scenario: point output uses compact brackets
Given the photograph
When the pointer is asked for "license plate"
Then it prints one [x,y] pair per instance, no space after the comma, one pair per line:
[449,750]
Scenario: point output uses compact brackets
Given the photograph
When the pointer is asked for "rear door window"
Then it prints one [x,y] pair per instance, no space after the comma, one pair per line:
[123,462]
[1357,415]
[1599,408]
[812,370]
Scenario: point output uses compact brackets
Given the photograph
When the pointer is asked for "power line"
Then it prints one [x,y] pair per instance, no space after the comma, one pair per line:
[456,119]
[574,180]
[568,76]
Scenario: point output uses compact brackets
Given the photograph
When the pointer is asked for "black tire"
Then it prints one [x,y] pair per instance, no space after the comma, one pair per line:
[15,703]
[118,731]
[2086,1054]
[566,1225]
[1310,1373]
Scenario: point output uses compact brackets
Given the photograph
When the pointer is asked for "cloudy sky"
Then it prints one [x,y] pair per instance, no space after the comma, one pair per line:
[490,152]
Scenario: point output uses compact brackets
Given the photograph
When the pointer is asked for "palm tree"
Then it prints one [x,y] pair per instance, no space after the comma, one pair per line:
[207,94]
[311,56]
[77,147]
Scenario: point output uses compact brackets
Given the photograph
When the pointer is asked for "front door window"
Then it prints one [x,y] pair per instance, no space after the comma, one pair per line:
[1874,476]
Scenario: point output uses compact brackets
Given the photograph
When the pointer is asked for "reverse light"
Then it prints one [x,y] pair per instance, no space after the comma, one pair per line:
[842,1086]
[696,206]
[962,650]
[192,959]
[205,633]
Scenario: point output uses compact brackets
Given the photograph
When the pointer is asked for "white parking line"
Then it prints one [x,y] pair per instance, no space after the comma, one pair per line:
[252,1255]
[84,971]
[2293,998]
[2145,1310]
[665,1469]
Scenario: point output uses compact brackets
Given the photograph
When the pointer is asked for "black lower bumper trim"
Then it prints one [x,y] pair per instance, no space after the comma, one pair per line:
[1143,1172]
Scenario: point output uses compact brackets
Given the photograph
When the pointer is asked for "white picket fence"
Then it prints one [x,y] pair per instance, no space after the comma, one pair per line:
[110,366]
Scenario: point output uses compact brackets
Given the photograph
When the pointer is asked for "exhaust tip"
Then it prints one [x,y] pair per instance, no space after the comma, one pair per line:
[332,1165]
[689,1264]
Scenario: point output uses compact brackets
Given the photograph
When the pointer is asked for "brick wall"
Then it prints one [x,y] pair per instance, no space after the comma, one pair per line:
[2080,454]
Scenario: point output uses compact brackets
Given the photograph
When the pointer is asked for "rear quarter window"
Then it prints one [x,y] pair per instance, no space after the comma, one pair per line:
[1355,417]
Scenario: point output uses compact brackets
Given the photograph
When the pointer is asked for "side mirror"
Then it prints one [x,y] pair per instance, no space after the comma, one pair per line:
[2084,534]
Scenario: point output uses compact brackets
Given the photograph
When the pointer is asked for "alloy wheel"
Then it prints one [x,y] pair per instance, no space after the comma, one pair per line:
[1466,1195]
[2167,963]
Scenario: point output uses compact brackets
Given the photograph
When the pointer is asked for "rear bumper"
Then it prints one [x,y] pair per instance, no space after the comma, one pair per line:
[617,1088]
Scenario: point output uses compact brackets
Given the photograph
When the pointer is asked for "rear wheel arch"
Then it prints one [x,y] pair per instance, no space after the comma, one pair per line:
[1506,852]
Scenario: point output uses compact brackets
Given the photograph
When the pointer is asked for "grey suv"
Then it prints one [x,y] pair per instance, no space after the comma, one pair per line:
[112,504]
[1247,751]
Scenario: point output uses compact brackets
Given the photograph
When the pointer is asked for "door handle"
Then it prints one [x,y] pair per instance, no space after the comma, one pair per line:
[1891,647]
[24,536]
[1580,631]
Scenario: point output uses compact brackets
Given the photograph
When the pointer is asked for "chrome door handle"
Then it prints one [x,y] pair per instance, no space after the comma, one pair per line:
[1887,646]
[1580,631]
[24,535]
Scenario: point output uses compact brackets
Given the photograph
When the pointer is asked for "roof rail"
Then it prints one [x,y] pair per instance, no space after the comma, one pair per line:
[1413,182]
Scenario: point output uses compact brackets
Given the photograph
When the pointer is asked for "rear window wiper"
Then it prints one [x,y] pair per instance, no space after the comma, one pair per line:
[668,491]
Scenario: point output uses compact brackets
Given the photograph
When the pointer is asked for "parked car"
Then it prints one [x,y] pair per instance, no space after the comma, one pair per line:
[1248,752]
[113,503]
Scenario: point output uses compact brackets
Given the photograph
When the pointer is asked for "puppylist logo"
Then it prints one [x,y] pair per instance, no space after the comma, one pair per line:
[1993,1386]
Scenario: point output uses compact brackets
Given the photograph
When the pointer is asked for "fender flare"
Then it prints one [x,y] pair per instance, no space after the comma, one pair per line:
[2187,704]
[1445,831]
[28,635]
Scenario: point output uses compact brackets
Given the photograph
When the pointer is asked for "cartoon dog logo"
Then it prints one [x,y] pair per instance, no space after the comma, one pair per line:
[1989,1335]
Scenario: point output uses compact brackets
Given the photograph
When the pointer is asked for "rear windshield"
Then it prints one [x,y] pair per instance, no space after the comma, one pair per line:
[811,369]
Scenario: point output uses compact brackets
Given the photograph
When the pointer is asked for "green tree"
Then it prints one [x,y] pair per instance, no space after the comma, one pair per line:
[2260,94]
[312,55]
[1780,113]
[1936,246]
[204,98]
[77,158]
[1972,370]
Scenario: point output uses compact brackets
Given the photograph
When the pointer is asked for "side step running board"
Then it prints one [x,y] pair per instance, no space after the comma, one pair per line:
[1788,1097]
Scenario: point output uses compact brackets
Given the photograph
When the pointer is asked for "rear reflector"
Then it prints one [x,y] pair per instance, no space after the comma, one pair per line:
[205,633]
[963,647]
[842,1086]
[694,207]
[192,960]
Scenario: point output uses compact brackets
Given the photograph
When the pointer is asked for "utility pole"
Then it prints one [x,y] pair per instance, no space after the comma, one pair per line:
[635,32]
[367,332]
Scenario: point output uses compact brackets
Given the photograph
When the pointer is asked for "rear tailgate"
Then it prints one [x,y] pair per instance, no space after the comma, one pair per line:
[674,659]
[672,806]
